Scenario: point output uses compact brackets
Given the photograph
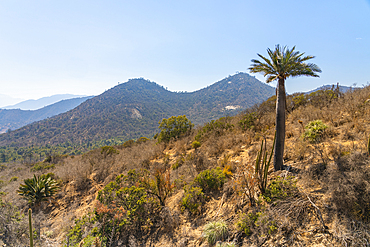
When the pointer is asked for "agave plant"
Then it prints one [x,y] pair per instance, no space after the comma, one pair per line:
[38,189]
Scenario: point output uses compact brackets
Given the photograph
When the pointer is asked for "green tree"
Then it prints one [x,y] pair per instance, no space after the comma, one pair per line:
[174,127]
[283,63]
[38,189]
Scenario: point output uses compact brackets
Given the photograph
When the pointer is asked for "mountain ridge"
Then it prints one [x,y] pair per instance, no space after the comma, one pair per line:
[133,109]
[35,104]
[342,89]
[11,119]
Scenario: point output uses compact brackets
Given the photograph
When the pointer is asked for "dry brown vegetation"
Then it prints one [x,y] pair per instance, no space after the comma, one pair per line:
[322,198]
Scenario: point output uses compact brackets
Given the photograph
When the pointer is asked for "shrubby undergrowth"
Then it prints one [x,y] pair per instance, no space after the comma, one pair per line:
[206,175]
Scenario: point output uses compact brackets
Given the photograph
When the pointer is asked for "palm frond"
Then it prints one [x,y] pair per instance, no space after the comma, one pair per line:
[283,63]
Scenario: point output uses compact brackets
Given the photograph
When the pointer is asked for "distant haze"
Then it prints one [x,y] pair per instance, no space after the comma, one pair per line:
[7,100]
[42,102]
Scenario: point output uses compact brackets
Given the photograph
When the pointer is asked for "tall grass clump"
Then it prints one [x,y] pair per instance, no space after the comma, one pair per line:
[215,231]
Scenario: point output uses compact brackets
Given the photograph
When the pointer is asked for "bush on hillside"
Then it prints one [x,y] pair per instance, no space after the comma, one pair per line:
[248,121]
[13,225]
[108,151]
[314,131]
[192,200]
[128,143]
[280,188]
[125,206]
[259,222]
[132,202]
[142,140]
[195,145]
[173,128]
[214,128]
[210,179]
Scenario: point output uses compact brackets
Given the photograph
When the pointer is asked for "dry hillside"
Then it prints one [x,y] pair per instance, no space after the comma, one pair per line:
[211,195]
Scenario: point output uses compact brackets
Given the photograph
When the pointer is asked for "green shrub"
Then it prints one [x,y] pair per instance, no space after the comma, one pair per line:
[215,127]
[281,188]
[108,150]
[215,231]
[192,199]
[258,221]
[173,128]
[142,140]
[42,166]
[81,227]
[13,227]
[314,131]
[131,203]
[195,144]
[13,179]
[210,179]
[226,244]
[248,121]
[128,143]
[123,206]
[49,175]
[300,100]
[89,241]
[246,222]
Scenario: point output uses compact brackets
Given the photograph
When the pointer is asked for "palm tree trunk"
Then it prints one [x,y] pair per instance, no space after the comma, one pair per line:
[280,126]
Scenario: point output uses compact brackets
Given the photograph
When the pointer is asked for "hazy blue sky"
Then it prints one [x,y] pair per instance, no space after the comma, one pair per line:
[85,47]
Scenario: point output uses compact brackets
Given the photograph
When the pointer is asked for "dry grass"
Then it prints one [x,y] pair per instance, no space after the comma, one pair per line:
[334,173]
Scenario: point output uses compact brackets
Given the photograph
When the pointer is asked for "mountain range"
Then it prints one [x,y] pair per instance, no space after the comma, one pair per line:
[342,89]
[16,118]
[6,100]
[35,104]
[133,109]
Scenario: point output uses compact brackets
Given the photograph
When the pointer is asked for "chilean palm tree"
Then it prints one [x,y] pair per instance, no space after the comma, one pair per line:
[282,64]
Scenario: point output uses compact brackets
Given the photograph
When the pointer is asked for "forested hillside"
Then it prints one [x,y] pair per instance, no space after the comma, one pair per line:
[133,109]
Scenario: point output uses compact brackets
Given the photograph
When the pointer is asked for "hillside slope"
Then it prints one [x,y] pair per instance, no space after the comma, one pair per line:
[321,199]
[17,118]
[133,109]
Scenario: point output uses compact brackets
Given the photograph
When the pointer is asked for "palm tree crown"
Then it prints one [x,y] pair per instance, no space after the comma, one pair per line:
[284,63]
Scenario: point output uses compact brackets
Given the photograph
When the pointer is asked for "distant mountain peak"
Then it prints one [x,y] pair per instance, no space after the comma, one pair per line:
[342,89]
[133,109]
[33,104]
